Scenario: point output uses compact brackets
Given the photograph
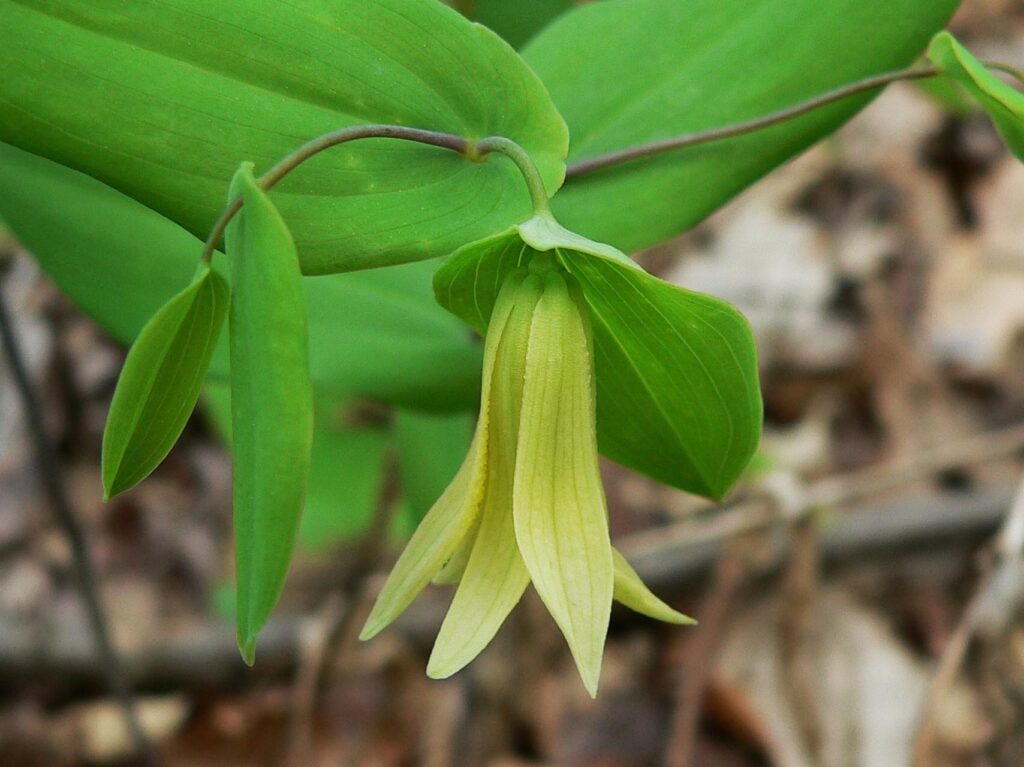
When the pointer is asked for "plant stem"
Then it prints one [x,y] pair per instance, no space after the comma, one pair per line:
[49,470]
[522,159]
[773,118]
[747,126]
[326,141]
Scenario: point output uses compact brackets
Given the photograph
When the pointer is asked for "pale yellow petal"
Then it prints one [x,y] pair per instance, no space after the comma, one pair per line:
[634,594]
[495,576]
[455,512]
[559,504]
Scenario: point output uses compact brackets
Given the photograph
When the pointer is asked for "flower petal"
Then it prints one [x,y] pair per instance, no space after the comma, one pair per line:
[559,504]
[634,594]
[495,576]
[446,524]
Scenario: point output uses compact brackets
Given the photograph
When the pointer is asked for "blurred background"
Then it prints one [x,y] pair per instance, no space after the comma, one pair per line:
[859,595]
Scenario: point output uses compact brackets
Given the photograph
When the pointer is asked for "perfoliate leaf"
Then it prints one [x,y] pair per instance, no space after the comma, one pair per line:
[634,71]
[161,381]
[120,262]
[1003,103]
[677,380]
[163,100]
[271,403]
[449,521]
[634,594]
[559,506]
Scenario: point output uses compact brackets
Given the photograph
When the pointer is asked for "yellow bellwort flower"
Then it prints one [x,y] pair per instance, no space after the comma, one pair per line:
[527,505]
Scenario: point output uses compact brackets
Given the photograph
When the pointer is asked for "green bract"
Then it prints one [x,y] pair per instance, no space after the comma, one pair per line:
[161,381]
[1003,104]
[271,402]
[677,384]
[163,100]
[527,504]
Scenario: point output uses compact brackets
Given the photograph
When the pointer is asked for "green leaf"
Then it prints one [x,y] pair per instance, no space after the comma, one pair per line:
[430,449]
[634,594]
[632,71]
[163,100]
[271,403]
[1003,103]
[677,379]
[119,262]
[516,20]
[161,380]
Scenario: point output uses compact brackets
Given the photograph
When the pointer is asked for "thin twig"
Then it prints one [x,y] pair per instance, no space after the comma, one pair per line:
[53,481]
[799,629]
[703,642]
[997,599]
[758,511]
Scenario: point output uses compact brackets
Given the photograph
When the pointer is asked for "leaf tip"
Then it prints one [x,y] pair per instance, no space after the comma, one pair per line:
[370,629]
[247,647]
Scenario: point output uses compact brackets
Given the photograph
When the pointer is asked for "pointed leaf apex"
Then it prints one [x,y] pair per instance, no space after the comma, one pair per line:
[247,647]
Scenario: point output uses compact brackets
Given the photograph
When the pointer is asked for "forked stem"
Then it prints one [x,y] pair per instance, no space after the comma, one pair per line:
[326,141]
[523,161]
[476,151]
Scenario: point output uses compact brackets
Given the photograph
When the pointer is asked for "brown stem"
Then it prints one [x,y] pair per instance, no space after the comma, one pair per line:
[749,126]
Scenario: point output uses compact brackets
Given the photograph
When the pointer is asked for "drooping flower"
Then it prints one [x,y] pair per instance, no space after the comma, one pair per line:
[527,505]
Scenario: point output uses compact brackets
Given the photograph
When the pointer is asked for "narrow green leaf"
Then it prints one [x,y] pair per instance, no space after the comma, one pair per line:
[634,594]
[559,504]
[163,100]
[677,380]
[161,381]
[632,71]
[1003,103]
[120,262]
[271,403]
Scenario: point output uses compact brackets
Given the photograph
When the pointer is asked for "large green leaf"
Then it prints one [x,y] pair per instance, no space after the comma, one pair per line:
[1004,104]
[161,380]
[271,403]
[624,72]
[376,333]
[677,379]
[515,20]
[163,98]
